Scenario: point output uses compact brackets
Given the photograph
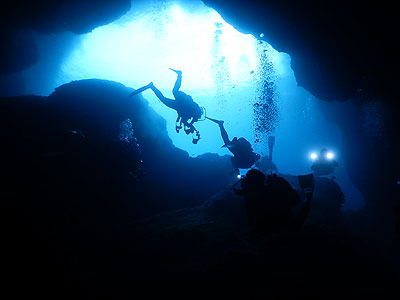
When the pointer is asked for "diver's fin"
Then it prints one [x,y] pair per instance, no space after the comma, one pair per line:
[139,90]
[176,71]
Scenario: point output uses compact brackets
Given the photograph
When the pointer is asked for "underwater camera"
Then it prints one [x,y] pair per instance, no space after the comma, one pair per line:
[306,183]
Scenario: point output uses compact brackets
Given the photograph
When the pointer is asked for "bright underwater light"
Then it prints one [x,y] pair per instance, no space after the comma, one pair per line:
[313,155]
[329,155]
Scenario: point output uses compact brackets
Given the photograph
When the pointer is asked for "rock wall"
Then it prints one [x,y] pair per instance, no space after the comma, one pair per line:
[66,149]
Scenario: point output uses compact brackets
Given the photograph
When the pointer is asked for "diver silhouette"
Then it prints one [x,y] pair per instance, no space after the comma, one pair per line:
[270,200]
[188,111]
[323,164]
[243,155]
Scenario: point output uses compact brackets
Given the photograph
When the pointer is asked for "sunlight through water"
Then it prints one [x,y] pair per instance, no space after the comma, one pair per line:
[221,66]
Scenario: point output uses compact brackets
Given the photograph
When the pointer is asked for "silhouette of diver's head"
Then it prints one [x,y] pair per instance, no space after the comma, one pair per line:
[254,179]
[323,152]
[232,143]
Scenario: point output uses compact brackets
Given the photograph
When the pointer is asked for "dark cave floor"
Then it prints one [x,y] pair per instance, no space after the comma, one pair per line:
[209,251]
[192,253]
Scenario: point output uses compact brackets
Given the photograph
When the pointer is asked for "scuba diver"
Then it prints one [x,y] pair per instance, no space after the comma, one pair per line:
[243,154]
[188,111]
[270,201]
[265,164]
[324,164]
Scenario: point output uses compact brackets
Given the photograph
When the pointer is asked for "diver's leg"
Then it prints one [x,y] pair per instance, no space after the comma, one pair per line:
[224,134]
[178,82]
[166,101]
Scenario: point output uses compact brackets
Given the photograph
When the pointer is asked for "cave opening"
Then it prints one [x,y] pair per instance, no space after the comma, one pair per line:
[237,77]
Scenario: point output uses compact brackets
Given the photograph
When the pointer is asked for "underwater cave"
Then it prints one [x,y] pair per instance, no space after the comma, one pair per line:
[227,72]
[90,168]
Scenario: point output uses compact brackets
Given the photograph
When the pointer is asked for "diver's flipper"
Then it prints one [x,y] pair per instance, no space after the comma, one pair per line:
[139,90]
[176,71]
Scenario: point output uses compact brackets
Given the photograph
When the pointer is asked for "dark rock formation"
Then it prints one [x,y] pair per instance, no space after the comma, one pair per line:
[18,50]
[19,18]
[56,16]
[217,256]
[78,168]
[337,47]
[370,150]
[77,130]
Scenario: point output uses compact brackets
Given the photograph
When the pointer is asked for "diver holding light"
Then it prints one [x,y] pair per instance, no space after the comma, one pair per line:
[323,164]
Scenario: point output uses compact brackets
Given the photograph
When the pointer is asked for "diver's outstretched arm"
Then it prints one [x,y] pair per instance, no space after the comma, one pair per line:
[166,101]
[224,134]
[178,81]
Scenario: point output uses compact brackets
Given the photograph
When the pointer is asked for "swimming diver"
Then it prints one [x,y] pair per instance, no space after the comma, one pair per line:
[271,202]
[323,164]
[188,111]
[243,154]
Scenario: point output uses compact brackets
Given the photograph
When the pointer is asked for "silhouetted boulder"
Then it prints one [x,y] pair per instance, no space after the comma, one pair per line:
[77,130]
